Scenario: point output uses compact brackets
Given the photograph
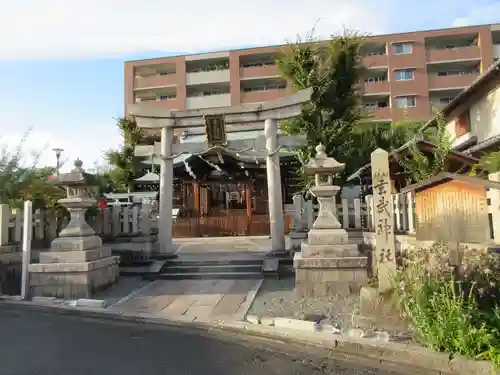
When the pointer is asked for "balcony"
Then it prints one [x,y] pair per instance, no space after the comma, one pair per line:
[157,80]
[209,101]
[378,87]
[261,96]
[213,76]
[169,104]
[435,55]
[378,113]
[447,82]
[259,72]
[371,61]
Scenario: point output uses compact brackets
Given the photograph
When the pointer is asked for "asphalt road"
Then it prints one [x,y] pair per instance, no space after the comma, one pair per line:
[40,343]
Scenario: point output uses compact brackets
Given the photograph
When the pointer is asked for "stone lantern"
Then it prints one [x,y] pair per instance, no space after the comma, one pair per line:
[77,264]
[327,263]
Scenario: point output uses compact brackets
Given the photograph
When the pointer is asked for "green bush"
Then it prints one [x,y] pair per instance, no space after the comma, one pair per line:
[452,308]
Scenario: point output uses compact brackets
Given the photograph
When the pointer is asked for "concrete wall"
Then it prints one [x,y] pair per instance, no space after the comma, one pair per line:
[485,116]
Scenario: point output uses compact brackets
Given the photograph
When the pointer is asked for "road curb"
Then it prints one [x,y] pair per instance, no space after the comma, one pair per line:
[384,352]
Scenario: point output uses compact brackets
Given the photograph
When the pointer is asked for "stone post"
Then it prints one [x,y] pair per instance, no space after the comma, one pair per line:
[495,207]
[4,224]
[166,248]
[275,197]
[27,234]
[327,264]
[298,232]
[385,243]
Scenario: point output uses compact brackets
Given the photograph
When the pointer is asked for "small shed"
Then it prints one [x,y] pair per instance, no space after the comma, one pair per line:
[452,208]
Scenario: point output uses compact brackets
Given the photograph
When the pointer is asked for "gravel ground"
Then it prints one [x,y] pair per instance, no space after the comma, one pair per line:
[276,298]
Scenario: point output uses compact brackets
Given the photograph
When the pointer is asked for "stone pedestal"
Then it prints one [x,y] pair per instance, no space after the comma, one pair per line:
[75,267]
[72,274]
[327,264]
[77,264]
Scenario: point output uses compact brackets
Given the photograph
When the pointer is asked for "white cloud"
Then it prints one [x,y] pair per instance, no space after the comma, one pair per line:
[478,16]
[48,29]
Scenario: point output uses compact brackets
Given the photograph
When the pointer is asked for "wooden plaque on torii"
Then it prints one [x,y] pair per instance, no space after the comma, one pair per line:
[215,129]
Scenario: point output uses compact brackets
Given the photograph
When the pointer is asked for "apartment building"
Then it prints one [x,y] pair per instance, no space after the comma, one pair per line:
[409,72]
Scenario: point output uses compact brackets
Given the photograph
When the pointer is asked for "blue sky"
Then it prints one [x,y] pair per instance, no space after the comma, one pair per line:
[62,67]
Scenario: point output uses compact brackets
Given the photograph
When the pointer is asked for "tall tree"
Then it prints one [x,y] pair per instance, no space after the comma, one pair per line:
[335,115]
[122,161]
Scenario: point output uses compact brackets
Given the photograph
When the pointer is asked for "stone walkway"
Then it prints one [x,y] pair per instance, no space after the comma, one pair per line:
[212,300]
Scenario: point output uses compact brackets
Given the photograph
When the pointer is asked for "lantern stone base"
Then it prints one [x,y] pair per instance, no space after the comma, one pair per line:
[73,278]
[329,276]
[328,265]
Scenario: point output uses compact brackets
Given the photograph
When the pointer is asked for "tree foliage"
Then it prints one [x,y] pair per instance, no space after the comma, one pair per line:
[20,182]
[122,161]
[334,116]
[420,167]
[489,163]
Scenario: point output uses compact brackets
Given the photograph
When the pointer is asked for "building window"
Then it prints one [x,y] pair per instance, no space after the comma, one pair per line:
[167,97]
[402,48]
[375,105]
[376,79]
[406,101]
[269,87]
[404,75]
[258,64]
[166,73]
[455,73]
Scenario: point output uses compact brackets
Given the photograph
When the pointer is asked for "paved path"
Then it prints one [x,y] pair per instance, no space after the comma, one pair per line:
[213,300]
[35,343]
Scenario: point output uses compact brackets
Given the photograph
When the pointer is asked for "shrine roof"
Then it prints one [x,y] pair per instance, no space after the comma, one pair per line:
[445,177]
[403,151]
[489,144]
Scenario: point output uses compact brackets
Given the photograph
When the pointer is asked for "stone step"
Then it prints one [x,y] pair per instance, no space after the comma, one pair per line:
[213,262]
[220,268]
[214,275]
[147,271]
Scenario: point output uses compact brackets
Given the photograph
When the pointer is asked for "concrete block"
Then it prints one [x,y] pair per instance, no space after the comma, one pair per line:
[267,321]
[92,303]
[329,251]
[296,324]
[355,333]
[327,237]
[75,244]
[270,265]
[43,300]
[254,319]
[74,256]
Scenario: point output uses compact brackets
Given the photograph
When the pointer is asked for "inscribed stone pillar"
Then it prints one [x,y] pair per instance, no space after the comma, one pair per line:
[494,195]
[166,247]
[385,244]
[275,197]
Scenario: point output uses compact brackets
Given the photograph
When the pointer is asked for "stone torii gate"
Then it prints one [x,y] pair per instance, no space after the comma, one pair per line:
[215,120]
